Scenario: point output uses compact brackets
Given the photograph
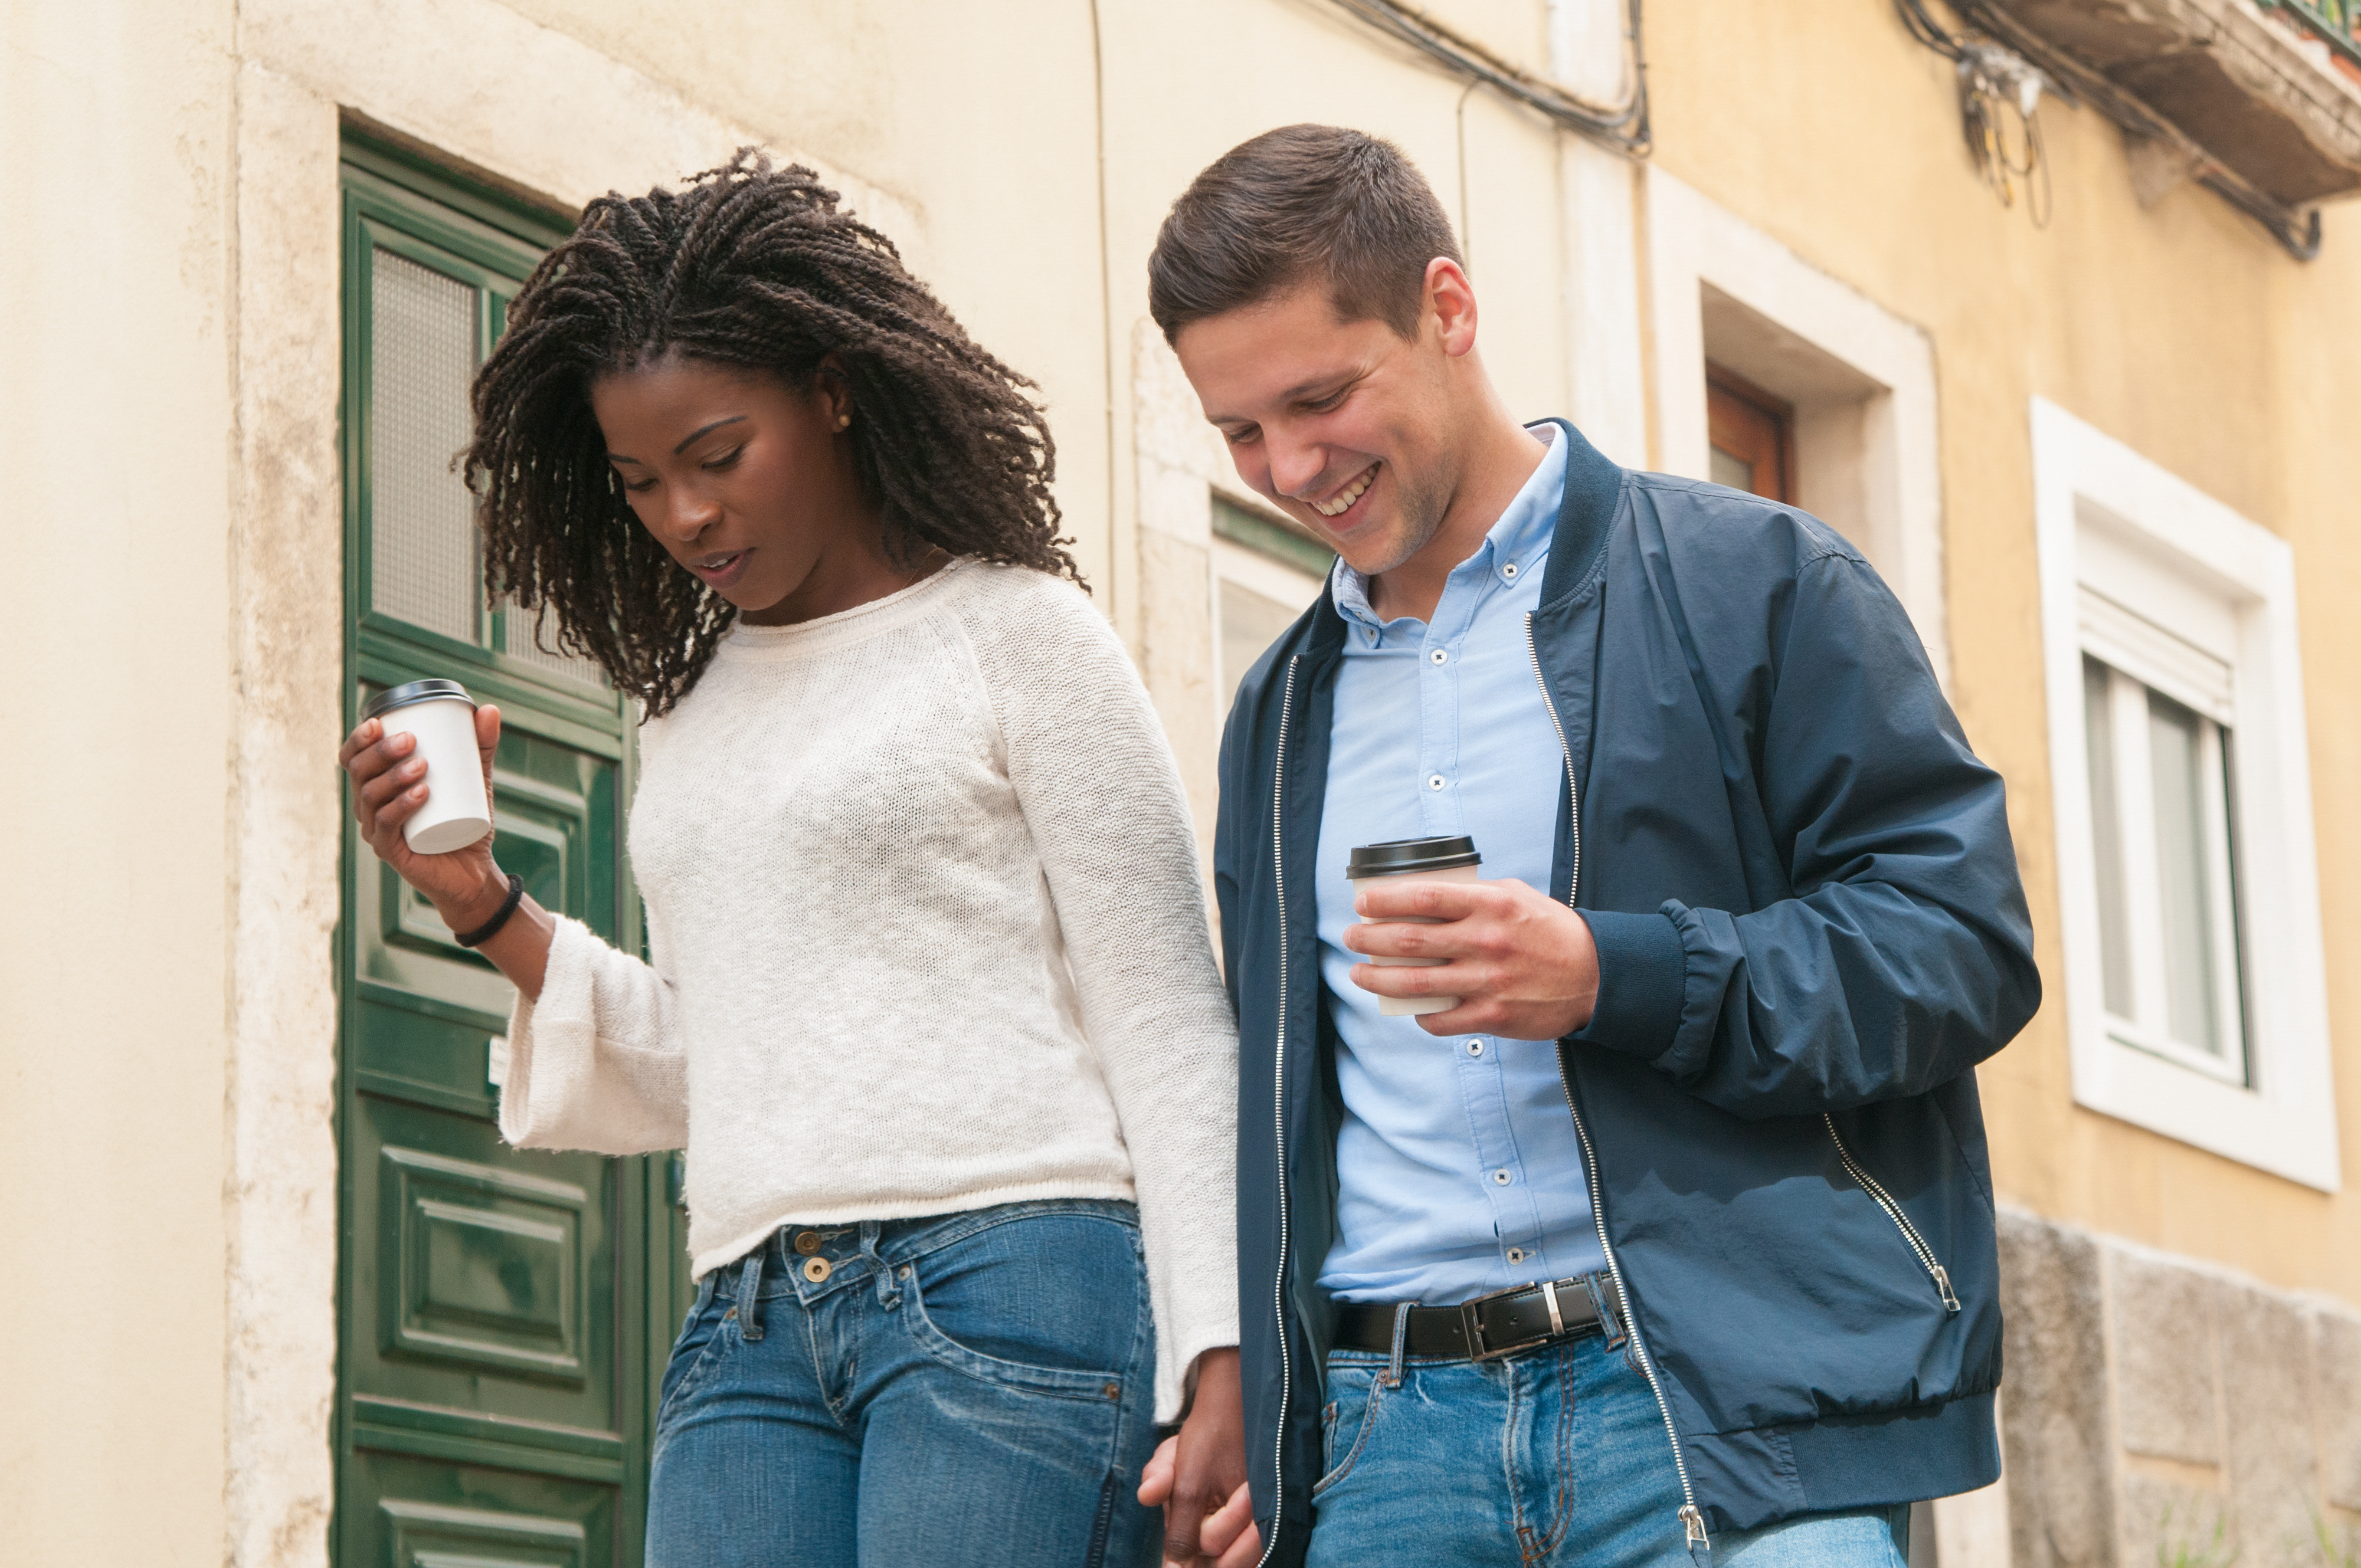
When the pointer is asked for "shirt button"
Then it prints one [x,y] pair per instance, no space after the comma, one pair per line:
[1435,781]
[1475,1047]
[1437,656]
[1509,570]
[1516,1255]
[1501,1178]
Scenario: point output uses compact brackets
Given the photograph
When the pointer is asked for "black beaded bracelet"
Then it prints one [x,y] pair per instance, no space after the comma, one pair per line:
[491,928]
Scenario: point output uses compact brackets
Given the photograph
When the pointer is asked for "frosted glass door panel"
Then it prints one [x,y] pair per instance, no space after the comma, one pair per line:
[423,563]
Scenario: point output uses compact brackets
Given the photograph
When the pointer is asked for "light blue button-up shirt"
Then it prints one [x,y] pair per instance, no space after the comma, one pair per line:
[1458,1167]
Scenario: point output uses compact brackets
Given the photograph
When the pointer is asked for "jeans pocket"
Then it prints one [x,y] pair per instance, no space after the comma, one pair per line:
[704,1342]
[1347,1421]
[1045,1303]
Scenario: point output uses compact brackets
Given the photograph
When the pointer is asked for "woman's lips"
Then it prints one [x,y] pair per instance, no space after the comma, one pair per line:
[722,570]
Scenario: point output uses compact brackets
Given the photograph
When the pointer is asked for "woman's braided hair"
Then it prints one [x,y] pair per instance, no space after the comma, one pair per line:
[758,269]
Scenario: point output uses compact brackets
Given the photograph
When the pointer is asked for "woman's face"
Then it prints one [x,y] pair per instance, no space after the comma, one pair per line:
[747,482]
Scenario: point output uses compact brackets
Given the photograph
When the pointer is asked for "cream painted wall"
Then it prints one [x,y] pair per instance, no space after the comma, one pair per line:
[2178,330]
[115,436]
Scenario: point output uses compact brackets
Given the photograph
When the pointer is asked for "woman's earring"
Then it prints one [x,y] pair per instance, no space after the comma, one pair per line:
[842,421]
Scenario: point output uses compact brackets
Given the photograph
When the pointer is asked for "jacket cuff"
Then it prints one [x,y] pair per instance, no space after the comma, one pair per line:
[1642,973]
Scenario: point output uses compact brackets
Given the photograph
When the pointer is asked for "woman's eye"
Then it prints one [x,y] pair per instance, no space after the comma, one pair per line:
[726,460]
[1240,437]
[638,487]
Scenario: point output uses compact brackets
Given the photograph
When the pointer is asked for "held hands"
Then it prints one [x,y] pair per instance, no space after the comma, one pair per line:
[1522,965]
[1199,1477]
[389,786]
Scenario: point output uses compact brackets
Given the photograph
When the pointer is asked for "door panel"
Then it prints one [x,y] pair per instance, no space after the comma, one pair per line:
[503,1313]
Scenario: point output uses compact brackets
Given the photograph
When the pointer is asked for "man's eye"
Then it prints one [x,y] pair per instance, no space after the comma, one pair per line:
[1325,404]
[1240,437]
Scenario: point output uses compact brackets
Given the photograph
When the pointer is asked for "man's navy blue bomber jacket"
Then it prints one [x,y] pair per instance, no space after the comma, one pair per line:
[1809,928]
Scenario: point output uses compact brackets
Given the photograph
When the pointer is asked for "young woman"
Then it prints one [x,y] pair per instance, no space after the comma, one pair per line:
[931,1005]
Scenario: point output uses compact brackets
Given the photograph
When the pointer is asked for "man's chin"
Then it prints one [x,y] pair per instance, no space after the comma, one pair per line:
[1376,550]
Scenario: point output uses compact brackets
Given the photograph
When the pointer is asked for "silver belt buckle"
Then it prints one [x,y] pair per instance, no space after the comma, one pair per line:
[1471,1324]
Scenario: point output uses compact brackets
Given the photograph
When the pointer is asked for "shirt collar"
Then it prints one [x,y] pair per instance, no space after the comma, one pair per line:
[1521,533]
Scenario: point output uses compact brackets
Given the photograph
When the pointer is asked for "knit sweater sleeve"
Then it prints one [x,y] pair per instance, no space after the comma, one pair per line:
[596,1062]
[1103,800]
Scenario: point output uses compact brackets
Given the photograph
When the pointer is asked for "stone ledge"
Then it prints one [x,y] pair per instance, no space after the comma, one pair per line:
[2243,89]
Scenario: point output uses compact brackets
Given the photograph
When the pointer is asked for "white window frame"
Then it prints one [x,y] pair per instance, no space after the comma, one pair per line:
[2117,530]
[1861,379]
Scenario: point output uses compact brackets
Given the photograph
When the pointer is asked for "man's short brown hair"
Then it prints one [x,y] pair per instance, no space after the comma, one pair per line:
[1294,204]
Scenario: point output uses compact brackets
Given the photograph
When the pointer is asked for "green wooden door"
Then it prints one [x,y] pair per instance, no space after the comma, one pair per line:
[504,1315]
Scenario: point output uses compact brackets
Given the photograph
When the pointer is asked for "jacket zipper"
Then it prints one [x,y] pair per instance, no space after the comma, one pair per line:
[1278,1111]
[1869,1184]
[1692,1519]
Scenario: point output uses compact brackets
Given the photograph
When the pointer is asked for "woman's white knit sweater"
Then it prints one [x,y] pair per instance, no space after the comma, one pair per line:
[928,935]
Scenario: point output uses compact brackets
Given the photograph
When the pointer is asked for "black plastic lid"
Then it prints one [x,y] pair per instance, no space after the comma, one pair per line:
[416,691]
[1401,855]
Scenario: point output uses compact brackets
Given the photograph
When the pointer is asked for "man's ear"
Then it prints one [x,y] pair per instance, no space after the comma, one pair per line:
[1449,300]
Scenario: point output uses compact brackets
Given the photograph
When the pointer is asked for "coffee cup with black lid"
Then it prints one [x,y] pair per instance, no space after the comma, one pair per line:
[442,717]
[1400,860]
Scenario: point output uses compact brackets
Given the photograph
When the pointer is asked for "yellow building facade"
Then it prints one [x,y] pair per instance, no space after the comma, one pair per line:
[2102,458]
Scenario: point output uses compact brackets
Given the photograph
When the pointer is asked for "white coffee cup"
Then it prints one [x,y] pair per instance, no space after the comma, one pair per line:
[1403,861]
[442,718]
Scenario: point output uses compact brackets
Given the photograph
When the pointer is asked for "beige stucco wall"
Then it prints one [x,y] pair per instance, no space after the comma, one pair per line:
[167,328]
[115,434]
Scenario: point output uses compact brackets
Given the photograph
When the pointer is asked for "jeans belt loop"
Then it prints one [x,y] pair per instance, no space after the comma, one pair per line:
[1611,1322]
[1401,1339]
[750,1285]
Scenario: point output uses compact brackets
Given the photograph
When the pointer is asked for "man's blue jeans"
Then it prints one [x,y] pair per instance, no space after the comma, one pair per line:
[1555,1456]
[975,1388]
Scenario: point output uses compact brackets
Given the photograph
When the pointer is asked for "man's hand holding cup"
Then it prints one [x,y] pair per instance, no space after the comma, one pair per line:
[1521,964]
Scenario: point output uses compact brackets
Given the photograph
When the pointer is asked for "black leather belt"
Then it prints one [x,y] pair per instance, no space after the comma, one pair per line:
[1499,1324]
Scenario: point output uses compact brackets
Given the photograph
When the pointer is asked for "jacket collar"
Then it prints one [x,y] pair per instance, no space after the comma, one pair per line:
[1593,485]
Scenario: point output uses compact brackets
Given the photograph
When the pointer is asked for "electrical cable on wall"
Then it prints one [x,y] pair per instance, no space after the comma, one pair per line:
[1622,126]
[2007,62]
[1994,81]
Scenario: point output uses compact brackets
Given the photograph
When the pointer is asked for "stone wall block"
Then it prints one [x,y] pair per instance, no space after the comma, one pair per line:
[2055,1438]
[2164,1374]
[2175,1526]
[2272,1473]
[2336,1403]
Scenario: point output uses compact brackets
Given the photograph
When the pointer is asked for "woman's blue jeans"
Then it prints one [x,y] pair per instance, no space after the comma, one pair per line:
[972,1389]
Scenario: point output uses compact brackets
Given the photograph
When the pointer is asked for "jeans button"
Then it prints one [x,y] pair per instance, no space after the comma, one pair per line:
[817,1269]
[806,1241]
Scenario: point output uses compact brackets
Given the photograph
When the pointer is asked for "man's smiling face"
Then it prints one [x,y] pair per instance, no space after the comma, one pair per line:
[1345,427]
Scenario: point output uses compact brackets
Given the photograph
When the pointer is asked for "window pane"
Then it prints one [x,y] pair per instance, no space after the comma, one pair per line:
[1731,469]
[2107,837]
[423,561]
[2183,885]
[1250,623]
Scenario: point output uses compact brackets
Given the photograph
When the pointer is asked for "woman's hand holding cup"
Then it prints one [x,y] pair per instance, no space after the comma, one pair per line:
[388,775]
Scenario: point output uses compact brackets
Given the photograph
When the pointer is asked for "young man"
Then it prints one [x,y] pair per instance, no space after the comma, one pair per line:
[1671,1240]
